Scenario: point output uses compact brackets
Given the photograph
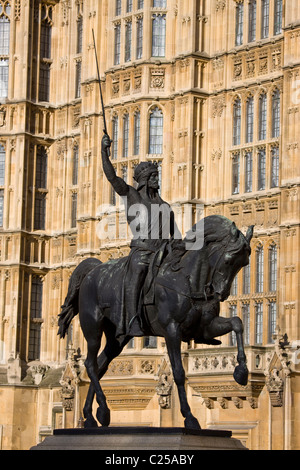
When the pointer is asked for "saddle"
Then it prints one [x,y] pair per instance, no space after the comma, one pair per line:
[149,284]
[175,249]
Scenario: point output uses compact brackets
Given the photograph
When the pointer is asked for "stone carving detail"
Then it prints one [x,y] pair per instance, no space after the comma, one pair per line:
[216,153]
[147,367]
[157,78]
[76,117]
[250,66]
[275,385]
[14,370]
[2,116]
[276,59]
[218,105]
[120,368]
[237,69]
[238,402]
[163,390]
[115,87]
[263,63]
[277,370]
[220,5]
[17,10]
[137,80]
[38,371]
[70,379]
[164,386]
[219,362]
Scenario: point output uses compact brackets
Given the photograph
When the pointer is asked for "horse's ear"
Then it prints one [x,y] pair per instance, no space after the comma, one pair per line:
[234,231]
[249,233]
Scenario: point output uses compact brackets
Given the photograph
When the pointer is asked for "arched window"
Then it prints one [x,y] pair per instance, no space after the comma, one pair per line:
[117,52]
[248,171]
[274,167]
[246,322]
[137,133]
[249,119]
[79,28]
[272,320]
[5,10]
[276,114]
[128,41]
[74,210]
[239,24]
[159,3]
[4,28]
[278,17]
[118,7]
[46,33]
[34,347]
[246,279]
[252,21]
[259,270]
[125,135]
[139,38]
[159,35]
[2,165]
[265,18]
[237,114]
[234,286]
[156,125]
[128,6]
[258,323]
[261,169]
[272,268]
[41,168]
[262,133]
[236,173]
[115,136]
[2,182]
[45,53]
[75,165]
[232,313]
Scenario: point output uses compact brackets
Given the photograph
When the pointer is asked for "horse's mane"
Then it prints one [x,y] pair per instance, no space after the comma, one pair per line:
[215,231]
[214,228]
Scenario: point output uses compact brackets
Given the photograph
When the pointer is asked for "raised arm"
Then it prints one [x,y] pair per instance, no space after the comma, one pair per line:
[117,183]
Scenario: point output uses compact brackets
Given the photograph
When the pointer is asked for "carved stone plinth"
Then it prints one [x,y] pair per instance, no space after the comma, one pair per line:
[139,438]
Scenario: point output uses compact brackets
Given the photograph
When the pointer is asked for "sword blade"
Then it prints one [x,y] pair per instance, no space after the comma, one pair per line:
[100,88]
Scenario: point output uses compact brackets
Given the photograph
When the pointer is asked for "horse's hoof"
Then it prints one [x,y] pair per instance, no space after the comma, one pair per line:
[240,374]
[90,423]
[192,423]
[103,416]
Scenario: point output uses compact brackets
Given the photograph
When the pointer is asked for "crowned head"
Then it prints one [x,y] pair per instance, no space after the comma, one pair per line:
[143,172]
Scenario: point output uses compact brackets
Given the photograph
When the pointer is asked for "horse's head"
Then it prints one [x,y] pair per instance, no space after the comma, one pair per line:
[226,260]
[223,252]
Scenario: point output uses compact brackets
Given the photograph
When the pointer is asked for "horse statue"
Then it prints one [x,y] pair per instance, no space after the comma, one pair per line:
[179,312]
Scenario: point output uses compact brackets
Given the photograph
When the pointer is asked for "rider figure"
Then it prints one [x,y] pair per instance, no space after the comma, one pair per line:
[152,223]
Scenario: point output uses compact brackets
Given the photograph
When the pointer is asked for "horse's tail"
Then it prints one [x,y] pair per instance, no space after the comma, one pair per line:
[70,307]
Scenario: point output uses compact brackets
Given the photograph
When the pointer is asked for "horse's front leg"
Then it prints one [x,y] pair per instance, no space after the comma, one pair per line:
[220,326]
[173,341]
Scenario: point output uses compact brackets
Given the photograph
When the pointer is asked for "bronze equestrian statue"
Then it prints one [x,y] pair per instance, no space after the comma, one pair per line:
[153,229]
[186,285]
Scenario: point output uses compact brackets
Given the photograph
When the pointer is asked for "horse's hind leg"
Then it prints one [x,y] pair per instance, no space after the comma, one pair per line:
[173,341]
[103,413]
[112,349]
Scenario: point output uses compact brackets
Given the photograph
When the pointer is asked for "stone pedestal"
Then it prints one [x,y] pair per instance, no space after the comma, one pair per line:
[139,439]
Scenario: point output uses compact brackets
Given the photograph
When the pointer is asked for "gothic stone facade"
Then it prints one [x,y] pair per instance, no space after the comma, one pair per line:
[209,90]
